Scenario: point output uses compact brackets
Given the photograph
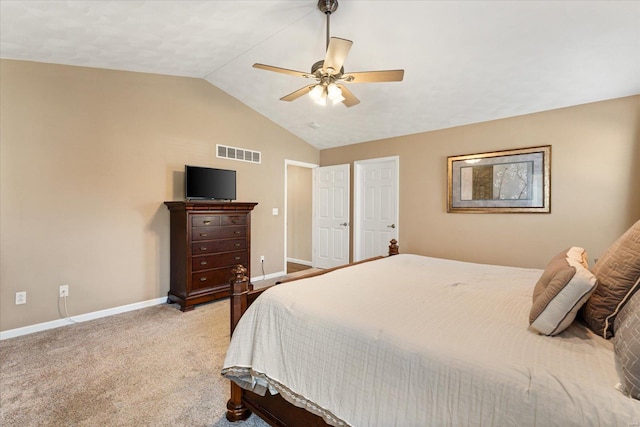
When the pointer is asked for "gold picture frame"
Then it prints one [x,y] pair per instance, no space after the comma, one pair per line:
[509,181]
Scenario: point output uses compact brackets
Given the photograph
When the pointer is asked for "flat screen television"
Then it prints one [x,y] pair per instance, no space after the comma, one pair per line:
[203,183]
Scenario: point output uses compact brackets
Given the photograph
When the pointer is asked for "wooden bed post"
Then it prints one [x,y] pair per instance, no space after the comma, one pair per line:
[393,247]
[236,411]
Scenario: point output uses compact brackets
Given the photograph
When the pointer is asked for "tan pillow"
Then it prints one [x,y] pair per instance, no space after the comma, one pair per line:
[565,285]
[618,274]
[626,346]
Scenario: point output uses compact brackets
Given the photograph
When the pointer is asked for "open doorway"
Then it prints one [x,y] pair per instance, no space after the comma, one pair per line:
[298,215]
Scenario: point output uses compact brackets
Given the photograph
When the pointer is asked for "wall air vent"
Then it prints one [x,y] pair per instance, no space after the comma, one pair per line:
[234,153]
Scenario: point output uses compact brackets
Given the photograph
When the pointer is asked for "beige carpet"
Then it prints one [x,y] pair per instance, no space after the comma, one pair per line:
[151,367]
[156,366]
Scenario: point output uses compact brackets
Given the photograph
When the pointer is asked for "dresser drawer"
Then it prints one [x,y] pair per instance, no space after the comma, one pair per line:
[210,233]
[205,220]
[233,220]
[211,278]
[214,246]
[227,259]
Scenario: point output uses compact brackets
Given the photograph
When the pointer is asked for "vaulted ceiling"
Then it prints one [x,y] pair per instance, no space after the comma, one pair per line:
[464,61]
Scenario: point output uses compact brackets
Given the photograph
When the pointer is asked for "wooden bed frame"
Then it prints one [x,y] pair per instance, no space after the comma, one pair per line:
[275,410]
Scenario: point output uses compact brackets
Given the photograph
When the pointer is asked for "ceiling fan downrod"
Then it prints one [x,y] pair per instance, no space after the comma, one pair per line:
[328,7]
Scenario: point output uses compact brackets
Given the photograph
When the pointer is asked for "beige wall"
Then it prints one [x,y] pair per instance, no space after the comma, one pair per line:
[299,212]
[87,158]
[595,184]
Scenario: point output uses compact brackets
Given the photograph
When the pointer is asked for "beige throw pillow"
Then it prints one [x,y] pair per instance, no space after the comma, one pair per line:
[565,285]
[626,346]
[618,274]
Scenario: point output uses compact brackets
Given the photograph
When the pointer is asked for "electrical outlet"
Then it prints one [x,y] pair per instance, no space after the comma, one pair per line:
[261,258]
[21,297]
[64,291]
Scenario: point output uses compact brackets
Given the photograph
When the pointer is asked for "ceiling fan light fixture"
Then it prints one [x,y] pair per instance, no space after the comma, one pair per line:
[319,94]
[334,93]
[322,100]
[316,92]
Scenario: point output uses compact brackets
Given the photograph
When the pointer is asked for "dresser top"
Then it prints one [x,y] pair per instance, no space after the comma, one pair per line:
[209,205]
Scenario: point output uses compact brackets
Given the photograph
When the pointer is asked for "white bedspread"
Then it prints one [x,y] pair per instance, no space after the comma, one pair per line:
[417,341]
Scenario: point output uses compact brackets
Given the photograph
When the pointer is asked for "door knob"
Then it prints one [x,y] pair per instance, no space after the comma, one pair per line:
[391,226]
[344,224]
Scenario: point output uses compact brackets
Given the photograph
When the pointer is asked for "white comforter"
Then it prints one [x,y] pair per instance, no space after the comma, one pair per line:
[417,341]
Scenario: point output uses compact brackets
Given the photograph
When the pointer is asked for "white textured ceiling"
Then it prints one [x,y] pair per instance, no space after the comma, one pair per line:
[465,61]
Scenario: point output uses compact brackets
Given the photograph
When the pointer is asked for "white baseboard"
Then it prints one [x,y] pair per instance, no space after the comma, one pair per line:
[300,261]
[11,333]
[267,277]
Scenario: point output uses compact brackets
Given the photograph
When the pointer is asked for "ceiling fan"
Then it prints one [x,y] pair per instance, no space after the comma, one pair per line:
[329,73]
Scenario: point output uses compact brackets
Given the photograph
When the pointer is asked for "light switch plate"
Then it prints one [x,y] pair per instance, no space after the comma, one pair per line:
[21,297]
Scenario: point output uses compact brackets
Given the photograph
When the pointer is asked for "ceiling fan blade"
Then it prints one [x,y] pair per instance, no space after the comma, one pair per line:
[297,94]
[281,70]
[349,99]
[336,54]
[375,76]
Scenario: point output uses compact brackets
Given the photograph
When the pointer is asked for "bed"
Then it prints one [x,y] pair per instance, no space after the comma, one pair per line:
[408,340]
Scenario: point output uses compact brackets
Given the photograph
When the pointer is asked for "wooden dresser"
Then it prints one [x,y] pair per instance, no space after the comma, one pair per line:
[208,238]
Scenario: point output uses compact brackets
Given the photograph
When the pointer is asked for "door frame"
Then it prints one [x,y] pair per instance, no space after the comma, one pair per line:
[357,201]
[288,163]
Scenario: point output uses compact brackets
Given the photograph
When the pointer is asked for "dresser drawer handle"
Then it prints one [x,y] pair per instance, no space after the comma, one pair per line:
[237,258]
[206,222]
[203,248]
[237,232]
[203,234]
[234,220]
[203,279]
[237,245]
[203,262]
